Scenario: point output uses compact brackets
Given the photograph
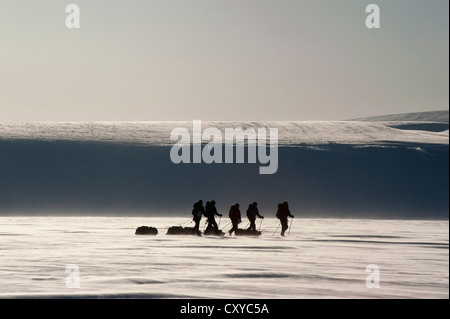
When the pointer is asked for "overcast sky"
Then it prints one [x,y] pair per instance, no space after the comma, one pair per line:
[151,60]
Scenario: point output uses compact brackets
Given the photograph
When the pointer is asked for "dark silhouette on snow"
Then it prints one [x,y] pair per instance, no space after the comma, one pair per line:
[197,211]
[146,230]
[211,231]
[282,214]
[179,230]
[235,216]
[210,213]
[252,213]
[247,232]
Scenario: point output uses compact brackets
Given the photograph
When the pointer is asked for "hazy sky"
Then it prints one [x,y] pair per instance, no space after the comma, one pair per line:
[221,60]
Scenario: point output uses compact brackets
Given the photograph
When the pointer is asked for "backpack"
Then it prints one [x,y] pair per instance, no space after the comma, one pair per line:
[196,211]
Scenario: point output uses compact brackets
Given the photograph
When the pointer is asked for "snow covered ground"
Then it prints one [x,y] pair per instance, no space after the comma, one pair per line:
[363,193]
[433,116]
[289,133]
[321,258]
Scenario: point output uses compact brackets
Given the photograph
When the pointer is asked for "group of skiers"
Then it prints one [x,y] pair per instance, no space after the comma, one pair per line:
[210,211]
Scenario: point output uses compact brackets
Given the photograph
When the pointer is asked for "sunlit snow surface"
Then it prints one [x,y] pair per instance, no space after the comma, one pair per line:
[321,258]
[289,132]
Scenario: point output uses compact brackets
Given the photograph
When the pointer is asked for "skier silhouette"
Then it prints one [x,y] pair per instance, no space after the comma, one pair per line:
[252,213]
[282,214]
[210,212]
[235,216]
[197,211]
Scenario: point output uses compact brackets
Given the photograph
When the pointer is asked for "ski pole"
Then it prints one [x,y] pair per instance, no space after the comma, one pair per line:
[184,222]
[292,219]
[275,230]
[226,225]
